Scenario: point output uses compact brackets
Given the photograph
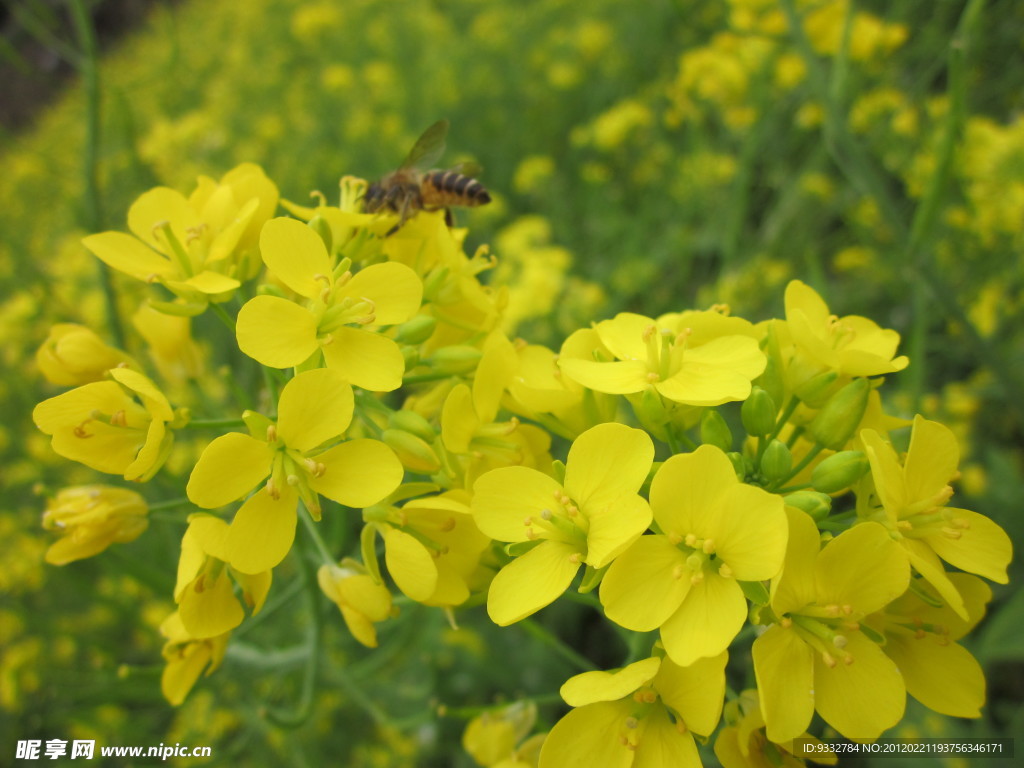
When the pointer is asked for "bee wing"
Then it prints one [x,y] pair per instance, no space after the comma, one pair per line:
[468,168]
[428,148]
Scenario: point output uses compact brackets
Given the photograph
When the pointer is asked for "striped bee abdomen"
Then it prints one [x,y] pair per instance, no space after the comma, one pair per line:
[444,188]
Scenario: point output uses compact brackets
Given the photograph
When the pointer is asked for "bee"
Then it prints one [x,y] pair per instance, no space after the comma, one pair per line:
[412,188]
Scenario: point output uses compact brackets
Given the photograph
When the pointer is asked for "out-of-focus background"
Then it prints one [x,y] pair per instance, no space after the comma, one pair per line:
[647,156]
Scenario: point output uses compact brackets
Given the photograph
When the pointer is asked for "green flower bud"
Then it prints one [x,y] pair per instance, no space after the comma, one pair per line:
[817,505]
[739,464]
[758,413]
[179,308]
[815,390]
[415,454]
[714,431]
[776,462]
[319,225]
[411,356]
[410,421]
[434,282]
[417,330]
[456,359]
[771,380]
[839,418]
[650,410]
[839,471]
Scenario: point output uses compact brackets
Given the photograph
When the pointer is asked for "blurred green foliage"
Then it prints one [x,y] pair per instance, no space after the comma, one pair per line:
[648,157]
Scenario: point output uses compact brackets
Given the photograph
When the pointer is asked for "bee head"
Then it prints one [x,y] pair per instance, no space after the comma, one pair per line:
[373,200]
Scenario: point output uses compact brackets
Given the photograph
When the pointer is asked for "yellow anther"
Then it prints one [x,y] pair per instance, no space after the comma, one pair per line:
[546,514]
[725,571]
[575,558]
[448,525]
[649,332]
[272,433]
[708,546]
[119,419]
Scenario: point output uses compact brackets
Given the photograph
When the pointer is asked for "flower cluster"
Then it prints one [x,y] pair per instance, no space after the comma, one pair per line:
[718,475]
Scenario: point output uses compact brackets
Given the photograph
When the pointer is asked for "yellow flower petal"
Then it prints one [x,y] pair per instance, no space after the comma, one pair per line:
[211,610]
[395,290]
[931,460]
[208,282]
[784,665]
[945,678]
[613,527]
[149,458]
[794,587]
[711,615]
[366,359]
[662,743]
[228,468]
[696,692]
[924,560]
[410,565]
[358,473]
[158,206]
[862,567]
[296,255]
[459,421]
[607,461]
[862,699]
[750,532]
[315,406]
[262,532]
[639,591]
[276,332]
[531,582]
[981,546]
[615,378]
[589,737]
[126,254]
[623,335]
[591,687]
[686,489]
[886,472]
[493,375]
[504,498]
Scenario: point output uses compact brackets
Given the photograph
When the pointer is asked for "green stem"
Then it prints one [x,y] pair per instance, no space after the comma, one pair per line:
[922,228]
[169,504]
[791,406]
[213,423]
[222,313]
[818,448]
[314,535]
[548,638]
[88,67]
[303,708]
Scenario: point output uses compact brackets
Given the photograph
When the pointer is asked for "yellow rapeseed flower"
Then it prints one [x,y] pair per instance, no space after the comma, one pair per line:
[913,497]
[693,358]
[89,518]
[646,714]
[818,657]
[715,532]
[302,456]
[590,519]
[337,314]
[102,425]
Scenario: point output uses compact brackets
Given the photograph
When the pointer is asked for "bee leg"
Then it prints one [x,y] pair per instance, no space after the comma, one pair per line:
[448,218]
